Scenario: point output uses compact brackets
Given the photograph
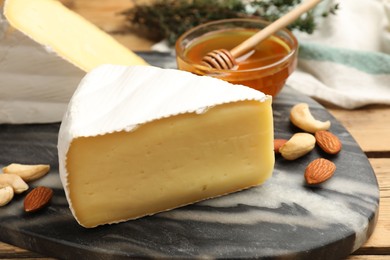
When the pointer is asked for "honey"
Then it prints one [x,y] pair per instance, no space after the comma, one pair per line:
[266,68]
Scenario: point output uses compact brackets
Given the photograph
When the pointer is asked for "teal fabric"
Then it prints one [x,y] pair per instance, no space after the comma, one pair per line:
[346,61]
[368,62]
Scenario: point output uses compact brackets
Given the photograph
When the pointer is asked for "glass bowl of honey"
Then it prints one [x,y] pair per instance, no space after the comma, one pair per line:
[266,68]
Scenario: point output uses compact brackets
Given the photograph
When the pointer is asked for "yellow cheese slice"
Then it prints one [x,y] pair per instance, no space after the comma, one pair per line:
[51,24]
[141,140]
[170,162]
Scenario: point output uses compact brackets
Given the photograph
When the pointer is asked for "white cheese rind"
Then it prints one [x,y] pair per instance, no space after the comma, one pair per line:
[115,98]
[139,94]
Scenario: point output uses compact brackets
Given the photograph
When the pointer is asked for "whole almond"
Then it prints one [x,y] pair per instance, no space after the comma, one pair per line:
[319,171]
[279,143]
[37,199]
[328,142]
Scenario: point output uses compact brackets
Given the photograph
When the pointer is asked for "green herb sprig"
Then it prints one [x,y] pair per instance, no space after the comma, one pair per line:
[168,19]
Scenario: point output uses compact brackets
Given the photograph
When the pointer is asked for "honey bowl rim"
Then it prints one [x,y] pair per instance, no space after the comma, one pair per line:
[179,50]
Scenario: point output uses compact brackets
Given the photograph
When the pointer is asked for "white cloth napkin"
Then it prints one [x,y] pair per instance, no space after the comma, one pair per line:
[346,61]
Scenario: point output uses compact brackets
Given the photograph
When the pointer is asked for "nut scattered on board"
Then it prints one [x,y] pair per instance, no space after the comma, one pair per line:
[319,171]
[37,199]
[301,117]
[328,142]
[279,143]
[13,180]
[6,195]
[27,172]
[298,145]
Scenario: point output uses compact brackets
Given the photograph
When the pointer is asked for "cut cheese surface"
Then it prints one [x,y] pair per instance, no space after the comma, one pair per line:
[140,140]
[75,39]
[43,57]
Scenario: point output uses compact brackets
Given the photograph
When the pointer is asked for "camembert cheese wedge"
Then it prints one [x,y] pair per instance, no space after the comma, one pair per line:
[45,50]
[140,140]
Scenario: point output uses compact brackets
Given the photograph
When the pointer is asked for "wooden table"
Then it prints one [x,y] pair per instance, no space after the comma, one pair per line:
[370,126]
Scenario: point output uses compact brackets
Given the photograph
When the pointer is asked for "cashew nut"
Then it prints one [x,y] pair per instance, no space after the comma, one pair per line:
[13,180]
[6,195]
[298,145]
[301,117]
[27,172]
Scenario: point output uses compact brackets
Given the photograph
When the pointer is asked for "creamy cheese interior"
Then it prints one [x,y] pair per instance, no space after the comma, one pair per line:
[170,162]
[45,50]
[72,37]
[138,140]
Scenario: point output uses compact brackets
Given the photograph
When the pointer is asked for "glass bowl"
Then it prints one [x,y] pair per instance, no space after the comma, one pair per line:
[265,69]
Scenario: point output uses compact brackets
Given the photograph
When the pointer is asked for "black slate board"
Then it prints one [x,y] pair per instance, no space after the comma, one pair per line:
[282,219]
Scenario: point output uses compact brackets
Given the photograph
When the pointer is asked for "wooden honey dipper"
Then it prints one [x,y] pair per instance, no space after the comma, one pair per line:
[225,60]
